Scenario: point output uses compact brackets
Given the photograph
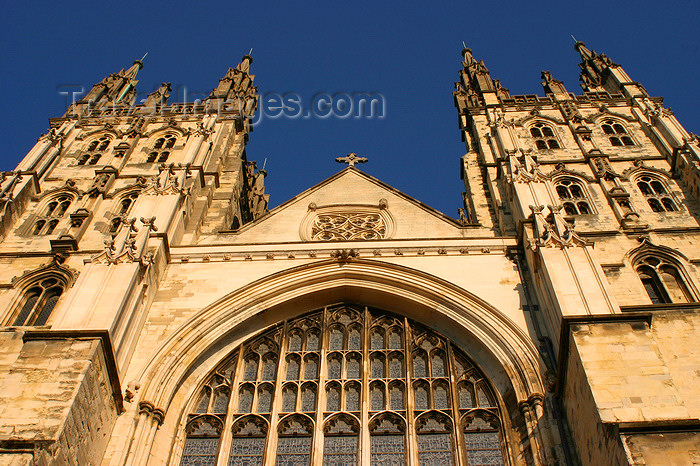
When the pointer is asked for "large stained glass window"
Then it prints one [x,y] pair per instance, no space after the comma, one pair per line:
[345,385]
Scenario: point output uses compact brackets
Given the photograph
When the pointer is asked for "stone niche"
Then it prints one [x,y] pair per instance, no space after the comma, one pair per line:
[59,396]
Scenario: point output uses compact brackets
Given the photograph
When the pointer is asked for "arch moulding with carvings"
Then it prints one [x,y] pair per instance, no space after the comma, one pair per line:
[494,341]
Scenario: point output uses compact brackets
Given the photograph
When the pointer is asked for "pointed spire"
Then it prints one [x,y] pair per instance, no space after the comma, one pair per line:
[553,86]
[580,47]
[476,84]
[236,89]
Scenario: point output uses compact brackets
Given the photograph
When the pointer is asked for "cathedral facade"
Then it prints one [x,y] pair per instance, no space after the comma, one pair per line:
[155,311]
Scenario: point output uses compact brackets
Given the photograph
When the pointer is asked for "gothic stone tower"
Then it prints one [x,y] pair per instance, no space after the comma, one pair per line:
[601,192]
[87,219]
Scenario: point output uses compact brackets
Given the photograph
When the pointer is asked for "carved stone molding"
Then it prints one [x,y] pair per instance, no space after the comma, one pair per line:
[347,223]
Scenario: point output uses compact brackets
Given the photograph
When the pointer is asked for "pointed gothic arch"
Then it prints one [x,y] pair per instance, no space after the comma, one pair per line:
[663,272]
[38,292]
[503,350]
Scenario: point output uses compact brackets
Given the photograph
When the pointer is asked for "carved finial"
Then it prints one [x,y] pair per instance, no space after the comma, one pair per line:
[351,159]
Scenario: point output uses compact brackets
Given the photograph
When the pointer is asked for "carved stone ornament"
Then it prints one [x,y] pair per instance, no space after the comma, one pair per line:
[554,230]
[170,180]
[347,223]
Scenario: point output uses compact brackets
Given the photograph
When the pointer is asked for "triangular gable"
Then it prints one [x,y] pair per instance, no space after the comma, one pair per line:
[348,192]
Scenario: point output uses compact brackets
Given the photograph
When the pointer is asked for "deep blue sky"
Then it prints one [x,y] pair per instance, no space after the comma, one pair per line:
[408,51]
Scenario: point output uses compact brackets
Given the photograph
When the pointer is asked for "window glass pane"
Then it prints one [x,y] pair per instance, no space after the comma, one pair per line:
[247,451]
[293,451]
[27,308]
[466,397]
[387,449]
[354,339]
[377,370]
[353,367]
[245,400]
[340,450]
[352,398]
[312,341]
[421,396]
[395,339]
[377,338]
[292,368]
[289,399]
[311,369]
[396,396]
[438,365]
[334,367]
[332,398]
[434,449]
[395,366]
[251,368]
[308,398]
[200,451]
[377,396]
[265,399]
[336,339]
[675,286]
[269,368]
[221,402]
[294,342]
[483,448]
[440,398]
[420,366]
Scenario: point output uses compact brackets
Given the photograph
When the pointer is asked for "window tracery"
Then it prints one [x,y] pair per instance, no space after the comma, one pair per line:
[573,197]
[656,193]
[161,149]
[54,210]
[544,137]
[123,206]
[94,151]
[617,134]
[304,380]
[39,301]
[663,281]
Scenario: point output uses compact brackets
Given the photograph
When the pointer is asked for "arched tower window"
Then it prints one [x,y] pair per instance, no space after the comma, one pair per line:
[161,149]
[572,196]
[657,194]
[305,382]
[544,137]
[122,207]
[38,301]
[616,132]
[663,281]
[94,151]
[50,214]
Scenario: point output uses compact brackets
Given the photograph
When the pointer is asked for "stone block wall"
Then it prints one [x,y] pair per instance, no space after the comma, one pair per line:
[57,398]
[638,375]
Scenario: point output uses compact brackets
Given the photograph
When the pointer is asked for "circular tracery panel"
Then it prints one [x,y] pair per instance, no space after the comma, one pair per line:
[345,385]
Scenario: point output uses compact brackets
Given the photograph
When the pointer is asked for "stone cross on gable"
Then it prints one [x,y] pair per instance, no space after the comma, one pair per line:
[351,159]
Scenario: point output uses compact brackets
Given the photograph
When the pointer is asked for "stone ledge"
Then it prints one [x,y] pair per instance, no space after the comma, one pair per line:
[568,321]
[655,427]
[108,350]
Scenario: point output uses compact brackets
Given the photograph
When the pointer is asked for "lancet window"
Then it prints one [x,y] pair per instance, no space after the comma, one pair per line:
[657,194]
[161,149]
[663,281]
[573,197]
[50,215]
[94,151]
[38,301]
[345,385]
[123,206]
[617,134]
[544,137]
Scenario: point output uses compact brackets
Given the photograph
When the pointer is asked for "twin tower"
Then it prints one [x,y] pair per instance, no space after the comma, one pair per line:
[154,310]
